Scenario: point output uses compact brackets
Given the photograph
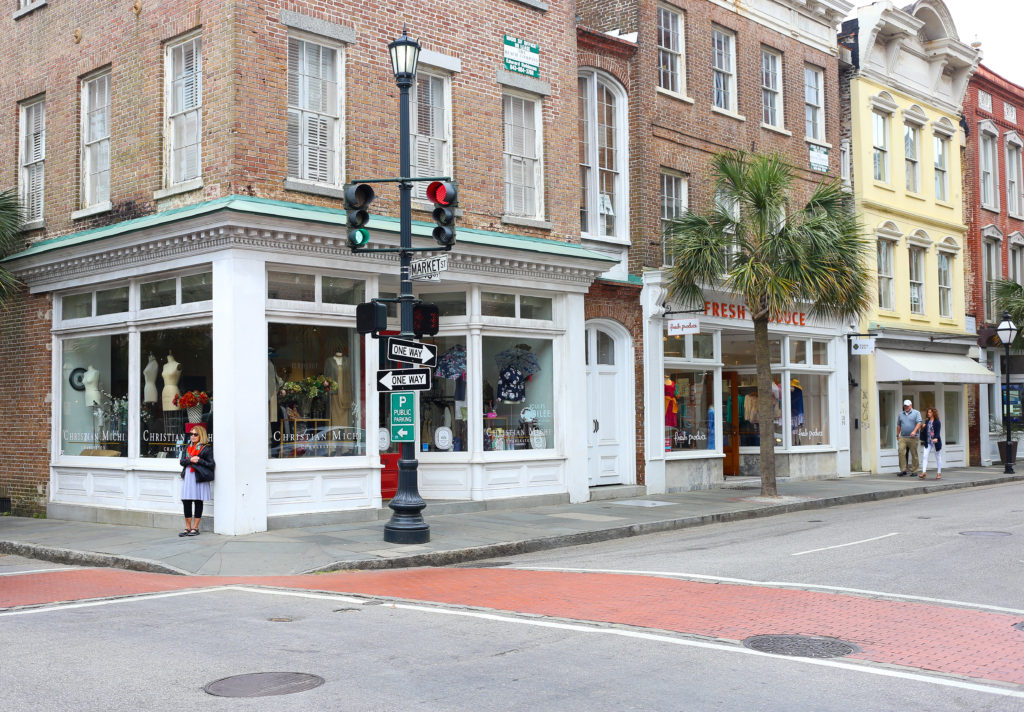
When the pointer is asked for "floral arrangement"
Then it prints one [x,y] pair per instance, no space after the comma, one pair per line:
[191,399]
[309,388]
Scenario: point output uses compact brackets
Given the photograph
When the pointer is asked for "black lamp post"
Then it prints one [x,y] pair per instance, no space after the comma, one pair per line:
[1007,333]
[406,525]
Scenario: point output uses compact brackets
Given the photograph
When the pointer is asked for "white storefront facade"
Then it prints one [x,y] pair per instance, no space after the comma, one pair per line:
[252,303]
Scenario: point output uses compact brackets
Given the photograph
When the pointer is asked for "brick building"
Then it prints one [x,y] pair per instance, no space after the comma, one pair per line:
[994,206]
[182,165]
[701,77]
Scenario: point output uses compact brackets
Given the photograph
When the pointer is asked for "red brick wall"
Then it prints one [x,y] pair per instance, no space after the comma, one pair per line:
[25,350]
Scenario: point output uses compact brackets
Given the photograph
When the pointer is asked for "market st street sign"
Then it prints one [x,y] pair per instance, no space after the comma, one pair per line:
[428,269]
[405,379]
[412,352]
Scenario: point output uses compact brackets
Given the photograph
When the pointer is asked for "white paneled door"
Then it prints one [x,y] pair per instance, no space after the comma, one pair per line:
[610,411]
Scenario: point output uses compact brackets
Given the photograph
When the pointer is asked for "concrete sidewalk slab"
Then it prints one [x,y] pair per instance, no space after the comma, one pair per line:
[455,537]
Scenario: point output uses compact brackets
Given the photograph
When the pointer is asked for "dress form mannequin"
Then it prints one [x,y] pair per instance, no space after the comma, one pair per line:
[171,375]
[149,373]
[337,368]
[91,381]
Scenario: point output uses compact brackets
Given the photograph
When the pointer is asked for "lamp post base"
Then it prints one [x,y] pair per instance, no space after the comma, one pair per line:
[1008,454]
[406,525]
[399,531]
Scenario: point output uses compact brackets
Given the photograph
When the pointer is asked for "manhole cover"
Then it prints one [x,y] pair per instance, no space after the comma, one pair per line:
[983,533]
[263,684]
[803,646]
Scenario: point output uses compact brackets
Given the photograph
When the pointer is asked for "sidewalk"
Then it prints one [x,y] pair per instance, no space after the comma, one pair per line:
[454,537]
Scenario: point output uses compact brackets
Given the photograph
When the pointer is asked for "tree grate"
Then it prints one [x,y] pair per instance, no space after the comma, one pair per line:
[263,684]
[802,646]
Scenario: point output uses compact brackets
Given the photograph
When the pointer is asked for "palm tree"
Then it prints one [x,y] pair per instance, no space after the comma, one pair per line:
[772,256]
[1010,298]
[10,230]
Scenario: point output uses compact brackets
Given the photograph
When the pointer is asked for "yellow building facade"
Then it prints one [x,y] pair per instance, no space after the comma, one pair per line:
[906,86]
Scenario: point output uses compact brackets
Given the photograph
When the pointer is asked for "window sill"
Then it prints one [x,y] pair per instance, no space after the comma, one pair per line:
[920,318]
[776,129]
[18,14]
[525,222]
[990,208]
[693,454]
[606,239]
[186,187]
[884,186]
[730,114]
[1016,216]
[914,196]
[103,207]
[328,191]
[817,142]
[944,203]
[947,321]
[33,225]
[674,95]
[535,4]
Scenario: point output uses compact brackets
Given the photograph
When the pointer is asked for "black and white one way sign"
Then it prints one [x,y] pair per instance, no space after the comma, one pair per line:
[406,379]
[412,352]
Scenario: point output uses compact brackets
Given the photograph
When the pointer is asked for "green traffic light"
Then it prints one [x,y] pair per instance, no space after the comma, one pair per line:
[358,238]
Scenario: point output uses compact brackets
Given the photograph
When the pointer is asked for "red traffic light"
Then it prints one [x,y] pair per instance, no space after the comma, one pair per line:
[442,192]
[425,319]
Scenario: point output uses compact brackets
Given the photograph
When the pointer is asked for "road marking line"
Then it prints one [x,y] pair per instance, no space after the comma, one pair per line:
[775,584]
[39,571]
[299,594]
[840,546]
[851,667]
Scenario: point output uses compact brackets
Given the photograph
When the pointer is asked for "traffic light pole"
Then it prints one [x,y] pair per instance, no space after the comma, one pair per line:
[406,525]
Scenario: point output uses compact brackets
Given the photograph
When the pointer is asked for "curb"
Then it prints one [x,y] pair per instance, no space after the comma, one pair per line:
[88,558]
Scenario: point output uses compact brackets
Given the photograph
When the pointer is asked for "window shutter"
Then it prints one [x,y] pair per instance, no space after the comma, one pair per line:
[318,149]
[34,192]
[294,77]
[35,132]
[294,147]
[191,84]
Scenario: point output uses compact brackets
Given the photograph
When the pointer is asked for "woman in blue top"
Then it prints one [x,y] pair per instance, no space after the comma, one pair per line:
[931,439]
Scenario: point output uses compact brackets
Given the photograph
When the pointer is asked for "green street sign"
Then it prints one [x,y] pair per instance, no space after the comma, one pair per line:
[521,56]
[403,417]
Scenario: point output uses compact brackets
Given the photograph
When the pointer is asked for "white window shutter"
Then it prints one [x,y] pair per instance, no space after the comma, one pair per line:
[294,76]
[294,145]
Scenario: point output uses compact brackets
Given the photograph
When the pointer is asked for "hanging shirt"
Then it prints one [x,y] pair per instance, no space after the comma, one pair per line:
[796,406]
[511,385]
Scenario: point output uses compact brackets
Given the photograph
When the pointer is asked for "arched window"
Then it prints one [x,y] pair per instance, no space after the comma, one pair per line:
[602,156]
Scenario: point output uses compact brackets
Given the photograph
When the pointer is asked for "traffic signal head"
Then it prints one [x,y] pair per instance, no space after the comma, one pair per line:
[425,319]
[358,197]
[371,317]
[444,195]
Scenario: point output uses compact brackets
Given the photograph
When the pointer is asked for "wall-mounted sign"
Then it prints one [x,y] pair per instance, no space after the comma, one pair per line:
[819,158]
[726,310]
[862,345]
[522,57]
[679,327]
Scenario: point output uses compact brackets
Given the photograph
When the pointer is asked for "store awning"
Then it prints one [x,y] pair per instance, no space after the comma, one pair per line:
[893,365]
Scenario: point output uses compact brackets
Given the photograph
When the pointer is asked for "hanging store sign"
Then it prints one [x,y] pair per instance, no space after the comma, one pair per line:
[680,327]
[862,345]
[522,57]
[819,158]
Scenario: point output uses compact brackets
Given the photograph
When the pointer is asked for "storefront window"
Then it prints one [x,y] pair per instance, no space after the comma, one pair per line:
[443,409]
[112,301]
[177,365]
[797,351]
[339,290]
[94,402]
[498,304]
[690,411]
[820,349]
[162,293]
[197,287]
[675,346]
[315,388]
[703,346]
[808,409]
[887,420]
[293,287]
[535,308]
[747,402]
[950,418]
[518,393]
[448,303]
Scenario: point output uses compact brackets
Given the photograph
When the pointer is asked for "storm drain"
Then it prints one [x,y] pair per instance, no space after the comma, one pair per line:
[984,533]
[801,646]
[263,684]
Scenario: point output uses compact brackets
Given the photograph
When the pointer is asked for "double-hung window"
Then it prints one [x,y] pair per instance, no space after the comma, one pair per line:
[992,271]
[671,57]
[912,156]
[184,110]
[988,137]
[96,140]
[430,128]
[814,103]
[945,261]
[522,156]
[771,88]
[602,155]
[1016,261]
[723,69]
[673,204]
[32,158]
[916,255]
[885,274]
[1014,204]
[941,148]
[880,143]
[314,112]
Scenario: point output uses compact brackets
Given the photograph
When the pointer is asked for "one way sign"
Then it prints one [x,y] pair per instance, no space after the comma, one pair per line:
[406,379]
[412,352]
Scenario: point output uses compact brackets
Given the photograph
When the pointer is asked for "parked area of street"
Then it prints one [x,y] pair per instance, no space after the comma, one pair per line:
[925,591]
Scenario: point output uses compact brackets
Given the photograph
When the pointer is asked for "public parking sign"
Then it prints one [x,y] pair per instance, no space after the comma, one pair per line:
[403,417]
[403,379]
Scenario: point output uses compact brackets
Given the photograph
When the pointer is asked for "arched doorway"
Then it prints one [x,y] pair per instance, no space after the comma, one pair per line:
[611,442]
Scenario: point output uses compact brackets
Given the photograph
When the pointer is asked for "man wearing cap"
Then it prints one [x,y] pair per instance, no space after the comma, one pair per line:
[908,423]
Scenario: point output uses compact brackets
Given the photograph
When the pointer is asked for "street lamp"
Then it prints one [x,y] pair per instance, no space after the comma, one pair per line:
[406,525]
[1007,333]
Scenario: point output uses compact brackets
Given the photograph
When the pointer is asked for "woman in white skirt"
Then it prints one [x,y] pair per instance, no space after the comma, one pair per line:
[196,474]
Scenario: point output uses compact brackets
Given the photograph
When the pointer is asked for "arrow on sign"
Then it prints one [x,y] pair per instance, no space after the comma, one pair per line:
[411,352]
[402,432]
[406,379]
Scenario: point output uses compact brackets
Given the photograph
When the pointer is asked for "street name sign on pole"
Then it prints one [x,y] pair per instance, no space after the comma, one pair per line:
[412,352]
[403,417]
[403,379]
[428,269]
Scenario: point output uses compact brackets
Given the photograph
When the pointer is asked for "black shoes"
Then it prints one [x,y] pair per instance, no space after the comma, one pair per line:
[902,474]
[187,532]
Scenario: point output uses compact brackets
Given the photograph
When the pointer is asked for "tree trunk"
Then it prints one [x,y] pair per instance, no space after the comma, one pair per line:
[765,406]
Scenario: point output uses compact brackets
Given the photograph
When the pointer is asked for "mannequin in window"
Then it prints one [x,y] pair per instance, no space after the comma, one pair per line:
[91,381]
[671,404]
[337,367]
[171,375]
[796,408]
[149,373]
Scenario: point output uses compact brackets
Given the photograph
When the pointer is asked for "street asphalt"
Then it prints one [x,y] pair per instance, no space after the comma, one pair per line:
[455,537]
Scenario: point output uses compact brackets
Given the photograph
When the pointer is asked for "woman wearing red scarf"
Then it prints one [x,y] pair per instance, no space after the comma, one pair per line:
[196,474]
